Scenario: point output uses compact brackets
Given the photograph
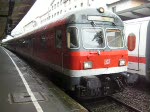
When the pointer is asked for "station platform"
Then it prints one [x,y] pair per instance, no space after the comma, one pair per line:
[22,92]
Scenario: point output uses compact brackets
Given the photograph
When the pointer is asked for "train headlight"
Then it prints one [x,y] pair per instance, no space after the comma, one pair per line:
[88,65]
[122,63]
[101,10]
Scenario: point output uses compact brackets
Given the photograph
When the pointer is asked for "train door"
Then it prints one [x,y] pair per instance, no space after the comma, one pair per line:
[132,32]
[59,49]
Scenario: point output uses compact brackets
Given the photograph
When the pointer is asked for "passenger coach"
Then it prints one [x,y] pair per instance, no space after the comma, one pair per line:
[87,47]
[138,37]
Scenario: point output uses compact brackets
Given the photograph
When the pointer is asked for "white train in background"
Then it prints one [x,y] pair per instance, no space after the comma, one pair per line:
[137,33]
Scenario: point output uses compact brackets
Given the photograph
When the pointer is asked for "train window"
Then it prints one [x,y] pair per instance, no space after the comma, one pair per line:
[72,39]
[58,39]
[23,43]
[43,41]
[61,2]
[131,41]
[29,42]
[57,4]
[93,38]
[114,37]
[60,11]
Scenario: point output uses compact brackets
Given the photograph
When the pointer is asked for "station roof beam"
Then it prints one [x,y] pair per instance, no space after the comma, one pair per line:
[136,12]
[11,13]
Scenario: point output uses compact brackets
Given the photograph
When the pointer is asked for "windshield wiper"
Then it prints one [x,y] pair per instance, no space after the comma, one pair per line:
[93,24]
[98,36]
[114,24]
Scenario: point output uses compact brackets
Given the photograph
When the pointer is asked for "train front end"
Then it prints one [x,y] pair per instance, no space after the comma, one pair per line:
[97,54]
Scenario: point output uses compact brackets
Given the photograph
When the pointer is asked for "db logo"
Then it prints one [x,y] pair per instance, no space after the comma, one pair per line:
[106,61]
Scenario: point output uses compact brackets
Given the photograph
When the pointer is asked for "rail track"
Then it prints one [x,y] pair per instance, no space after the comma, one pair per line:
[125,104]
[108,104]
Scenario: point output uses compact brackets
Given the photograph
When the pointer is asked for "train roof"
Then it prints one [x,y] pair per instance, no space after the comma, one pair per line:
[78,16]
[81,16]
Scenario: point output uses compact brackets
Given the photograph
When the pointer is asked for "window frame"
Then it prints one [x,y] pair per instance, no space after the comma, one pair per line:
[77,29]
[123,39]
[94,28]
[43,46]
[61,38]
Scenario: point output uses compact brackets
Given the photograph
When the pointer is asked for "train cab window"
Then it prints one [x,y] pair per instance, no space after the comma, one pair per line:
[72,39]
[114,37]
[93,38]
[131,41]
[58,39]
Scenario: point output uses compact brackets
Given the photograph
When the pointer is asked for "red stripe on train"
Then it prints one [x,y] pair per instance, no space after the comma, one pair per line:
[107,59]
[137,59]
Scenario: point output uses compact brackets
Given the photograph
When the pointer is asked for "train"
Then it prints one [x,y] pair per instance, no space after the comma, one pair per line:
[87,47]
[137,33]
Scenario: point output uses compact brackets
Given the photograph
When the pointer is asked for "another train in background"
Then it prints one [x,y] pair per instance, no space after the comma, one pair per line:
[87,47]
[137,33]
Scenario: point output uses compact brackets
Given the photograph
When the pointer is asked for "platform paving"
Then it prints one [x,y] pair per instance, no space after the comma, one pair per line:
[14,96]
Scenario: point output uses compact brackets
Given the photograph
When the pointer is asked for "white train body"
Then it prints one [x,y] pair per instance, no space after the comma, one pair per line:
[137,34]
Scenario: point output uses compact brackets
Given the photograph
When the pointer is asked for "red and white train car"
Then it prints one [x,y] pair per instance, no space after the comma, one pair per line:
[137,33]
[87,47]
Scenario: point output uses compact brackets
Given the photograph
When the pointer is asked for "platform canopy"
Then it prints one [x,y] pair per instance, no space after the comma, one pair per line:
[11,13]
[136,12]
